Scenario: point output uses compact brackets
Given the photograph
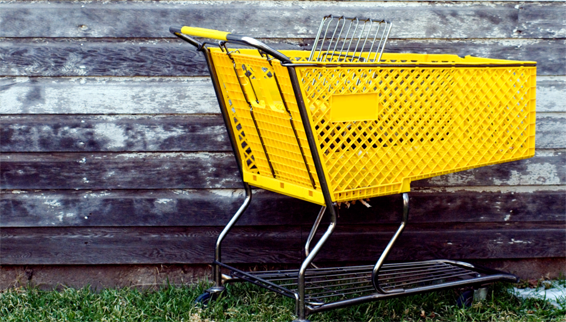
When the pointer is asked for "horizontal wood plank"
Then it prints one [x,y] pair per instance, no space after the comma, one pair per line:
[127,133]
[271,19]
[119,170]
[111,95]
[70,133]
[550,94]
[159,95]
[356,242]
[542,20]
[218,170]
[458,205]
[551,131]
[188,245]
[111,57]
[107,57]
[150,208]
[545,168]
[123,208]
[287,19]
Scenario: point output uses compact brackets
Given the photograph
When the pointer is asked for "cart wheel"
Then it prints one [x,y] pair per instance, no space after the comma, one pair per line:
[465,299]
[203,299]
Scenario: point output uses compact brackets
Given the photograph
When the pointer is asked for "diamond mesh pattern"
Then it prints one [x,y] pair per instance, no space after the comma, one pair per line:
[430,120]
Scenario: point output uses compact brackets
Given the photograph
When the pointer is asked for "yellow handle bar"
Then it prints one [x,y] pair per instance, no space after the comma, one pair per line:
[204,33]
[186,31]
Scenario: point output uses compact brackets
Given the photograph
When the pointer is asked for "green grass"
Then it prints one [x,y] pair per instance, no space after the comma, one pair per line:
[249,303]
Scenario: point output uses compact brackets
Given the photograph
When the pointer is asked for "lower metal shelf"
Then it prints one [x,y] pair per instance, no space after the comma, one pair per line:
[327,288]
[320,289]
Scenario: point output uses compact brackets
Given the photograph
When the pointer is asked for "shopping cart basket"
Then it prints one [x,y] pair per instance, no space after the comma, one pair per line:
[347,122]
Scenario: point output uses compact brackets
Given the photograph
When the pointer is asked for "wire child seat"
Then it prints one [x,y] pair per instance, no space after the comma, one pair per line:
[346,38]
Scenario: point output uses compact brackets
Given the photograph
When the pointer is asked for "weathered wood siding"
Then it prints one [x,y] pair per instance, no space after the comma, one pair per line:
[113,150]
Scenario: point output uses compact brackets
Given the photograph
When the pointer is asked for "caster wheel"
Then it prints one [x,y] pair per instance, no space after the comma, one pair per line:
[203,299]
[211,294]
[465,299]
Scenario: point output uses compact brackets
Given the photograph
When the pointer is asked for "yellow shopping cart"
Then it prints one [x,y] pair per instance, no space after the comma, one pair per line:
[348,122]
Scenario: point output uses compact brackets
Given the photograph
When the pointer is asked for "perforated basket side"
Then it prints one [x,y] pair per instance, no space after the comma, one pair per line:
[265,116]
[429,121]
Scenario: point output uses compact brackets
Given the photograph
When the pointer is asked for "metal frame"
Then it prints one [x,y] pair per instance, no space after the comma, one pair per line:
[362,283]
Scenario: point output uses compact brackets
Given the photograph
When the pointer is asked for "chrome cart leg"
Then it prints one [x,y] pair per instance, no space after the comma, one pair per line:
[216,273]
[313,232]
[300,305]
[383,256]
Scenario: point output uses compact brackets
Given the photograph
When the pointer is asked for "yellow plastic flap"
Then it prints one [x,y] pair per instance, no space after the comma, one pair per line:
[354,107]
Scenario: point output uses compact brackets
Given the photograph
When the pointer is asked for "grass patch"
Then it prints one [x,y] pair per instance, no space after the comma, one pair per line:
[246,302]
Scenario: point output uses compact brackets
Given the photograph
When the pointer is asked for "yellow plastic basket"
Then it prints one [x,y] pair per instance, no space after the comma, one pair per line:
[377,128]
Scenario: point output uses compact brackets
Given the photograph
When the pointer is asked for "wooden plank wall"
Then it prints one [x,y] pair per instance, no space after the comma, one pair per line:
[114,152]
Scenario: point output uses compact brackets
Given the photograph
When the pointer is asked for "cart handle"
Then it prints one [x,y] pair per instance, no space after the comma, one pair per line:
[225,36]
[201,32]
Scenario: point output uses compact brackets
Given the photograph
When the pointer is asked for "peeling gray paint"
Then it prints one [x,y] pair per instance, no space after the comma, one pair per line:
[152,19]
[108,96]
